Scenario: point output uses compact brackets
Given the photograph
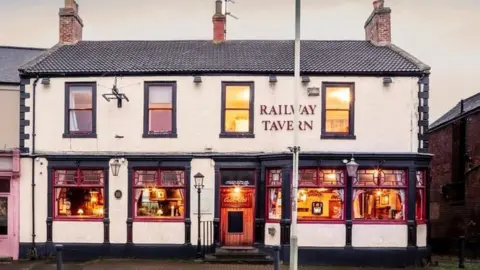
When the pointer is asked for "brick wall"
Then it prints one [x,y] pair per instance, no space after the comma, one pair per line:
[447,220]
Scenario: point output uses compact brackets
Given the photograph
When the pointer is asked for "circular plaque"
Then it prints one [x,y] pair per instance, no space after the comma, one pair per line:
[118,194]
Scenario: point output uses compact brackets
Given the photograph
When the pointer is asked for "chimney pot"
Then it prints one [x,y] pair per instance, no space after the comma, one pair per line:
[378,27]
[219,20]
[71,25]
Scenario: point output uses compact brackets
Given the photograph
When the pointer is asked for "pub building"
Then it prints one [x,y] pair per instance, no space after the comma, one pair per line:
[119,156]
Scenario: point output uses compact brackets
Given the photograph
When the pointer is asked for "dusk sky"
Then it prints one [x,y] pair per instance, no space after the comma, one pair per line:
[442,33]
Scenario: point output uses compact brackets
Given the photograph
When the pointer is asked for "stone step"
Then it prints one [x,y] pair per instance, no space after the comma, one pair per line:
[232,260]
[6,259]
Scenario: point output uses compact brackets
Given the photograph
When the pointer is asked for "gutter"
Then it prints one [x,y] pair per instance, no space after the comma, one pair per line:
[34,253]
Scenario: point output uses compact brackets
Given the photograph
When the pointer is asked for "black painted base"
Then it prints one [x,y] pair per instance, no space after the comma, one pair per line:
[350,256]
[90,251]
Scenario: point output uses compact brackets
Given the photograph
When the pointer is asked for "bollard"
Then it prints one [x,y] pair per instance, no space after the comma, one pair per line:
[276,262]
[461,252]
[59,249]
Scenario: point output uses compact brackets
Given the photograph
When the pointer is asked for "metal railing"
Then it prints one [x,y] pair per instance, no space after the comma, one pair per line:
[207,241]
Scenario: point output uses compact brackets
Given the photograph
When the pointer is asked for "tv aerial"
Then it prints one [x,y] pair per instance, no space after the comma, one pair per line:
[115,94]
[228,13]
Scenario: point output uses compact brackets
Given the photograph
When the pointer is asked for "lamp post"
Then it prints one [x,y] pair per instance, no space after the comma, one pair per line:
[115,167]
[296,148]
[198,185]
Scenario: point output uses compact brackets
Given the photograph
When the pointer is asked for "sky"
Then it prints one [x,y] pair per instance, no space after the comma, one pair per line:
[442,33]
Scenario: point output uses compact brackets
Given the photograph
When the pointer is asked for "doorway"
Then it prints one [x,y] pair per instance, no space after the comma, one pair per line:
[237,215]
[7,230]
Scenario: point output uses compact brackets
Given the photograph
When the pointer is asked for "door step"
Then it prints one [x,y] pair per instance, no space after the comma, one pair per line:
[6,260]
[239,255]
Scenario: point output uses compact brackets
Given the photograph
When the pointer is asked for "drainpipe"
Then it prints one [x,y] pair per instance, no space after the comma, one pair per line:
[34,253]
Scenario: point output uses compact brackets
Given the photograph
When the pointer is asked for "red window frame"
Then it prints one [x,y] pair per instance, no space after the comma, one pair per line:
[80,182]
[157,183]
[379,182]
[90,109]
[271,185]
[421,187]
[316,182]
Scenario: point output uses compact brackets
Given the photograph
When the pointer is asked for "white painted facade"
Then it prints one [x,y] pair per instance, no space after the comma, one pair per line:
[198,117]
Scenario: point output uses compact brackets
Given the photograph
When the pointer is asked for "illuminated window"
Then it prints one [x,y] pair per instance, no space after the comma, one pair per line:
[420,200]
[79,193]
[379,195]
[237,108]
[274,194]
[320,194]
[80,118]
[160,110]
[337,118]
[159,194]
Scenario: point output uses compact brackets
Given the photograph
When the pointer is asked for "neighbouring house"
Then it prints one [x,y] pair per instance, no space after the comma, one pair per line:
[11,58]
[124,128]
[455,183]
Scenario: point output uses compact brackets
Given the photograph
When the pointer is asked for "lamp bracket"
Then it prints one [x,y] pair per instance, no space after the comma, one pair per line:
[116,95]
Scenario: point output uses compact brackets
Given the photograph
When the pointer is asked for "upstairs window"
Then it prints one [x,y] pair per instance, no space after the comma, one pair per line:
[160,111]
[338,114]
[379,195]
[237,110]
[80,112]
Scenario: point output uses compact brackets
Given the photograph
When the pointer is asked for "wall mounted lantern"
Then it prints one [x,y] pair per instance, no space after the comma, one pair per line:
[313,91]
[45,81]
[352,167]
[273,79]
[115,167]
[197,79]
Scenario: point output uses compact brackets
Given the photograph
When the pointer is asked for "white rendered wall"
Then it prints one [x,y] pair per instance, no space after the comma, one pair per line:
[275,239]
[422,235]
[321,235]
[381,235]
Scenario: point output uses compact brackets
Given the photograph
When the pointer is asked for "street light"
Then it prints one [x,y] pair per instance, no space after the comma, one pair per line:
[198,185]
[352,167]
[115,167]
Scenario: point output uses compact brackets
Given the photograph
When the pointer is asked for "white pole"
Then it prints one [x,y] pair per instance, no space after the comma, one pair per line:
[296,148]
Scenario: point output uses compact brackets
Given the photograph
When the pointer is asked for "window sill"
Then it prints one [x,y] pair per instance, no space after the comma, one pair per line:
[100,219]
[421,222]
[138,219]
[380,222]
[272,221]
[80,135]
[321,221]
[160,135]
[236,135]
[338,137]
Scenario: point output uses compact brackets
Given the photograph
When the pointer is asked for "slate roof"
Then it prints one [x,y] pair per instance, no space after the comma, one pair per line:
[235,56]
[11,58]
[470,104]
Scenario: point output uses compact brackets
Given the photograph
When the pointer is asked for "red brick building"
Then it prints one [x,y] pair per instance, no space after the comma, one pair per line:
[454,139]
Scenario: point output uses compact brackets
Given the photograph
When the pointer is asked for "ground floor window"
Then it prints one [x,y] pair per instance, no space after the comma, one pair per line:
[79,193]
[159,194]
[420,199]
[274,194]
[379,195]
[321,194]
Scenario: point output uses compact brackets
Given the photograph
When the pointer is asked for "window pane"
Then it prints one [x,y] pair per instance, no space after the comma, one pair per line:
[160,121]
[392,178]
[420,178]
[366,178]
[160,97]
[80,121]
[275,177]
[4,186]
[419,205]
[146,178]
[91,177]
[338,98]
[379,204]
[79,202]
[237,97]
[80,97]
[173,178]
[320,203]
[274,203]
[307,177]
[237,121]
[337,121]
[159,202]
[331,177]
[3,216]
[65,177]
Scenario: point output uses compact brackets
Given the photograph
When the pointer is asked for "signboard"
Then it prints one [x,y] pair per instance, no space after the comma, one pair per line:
[237,178]
[274,124]
[240,199]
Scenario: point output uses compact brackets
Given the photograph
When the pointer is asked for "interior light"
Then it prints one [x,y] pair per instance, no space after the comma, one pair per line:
[343,94]
[379,193]
[246,94]
[236,190]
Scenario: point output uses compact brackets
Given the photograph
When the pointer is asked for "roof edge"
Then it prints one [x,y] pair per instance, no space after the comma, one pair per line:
[38,59]
[422,66]
[23,48]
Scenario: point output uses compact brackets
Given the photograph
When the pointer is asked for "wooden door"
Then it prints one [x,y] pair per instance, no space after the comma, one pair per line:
[237,216]
[7,239]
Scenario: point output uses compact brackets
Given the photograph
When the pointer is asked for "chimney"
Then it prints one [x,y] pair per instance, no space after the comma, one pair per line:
[378,27]
[219,20]
[71,24]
